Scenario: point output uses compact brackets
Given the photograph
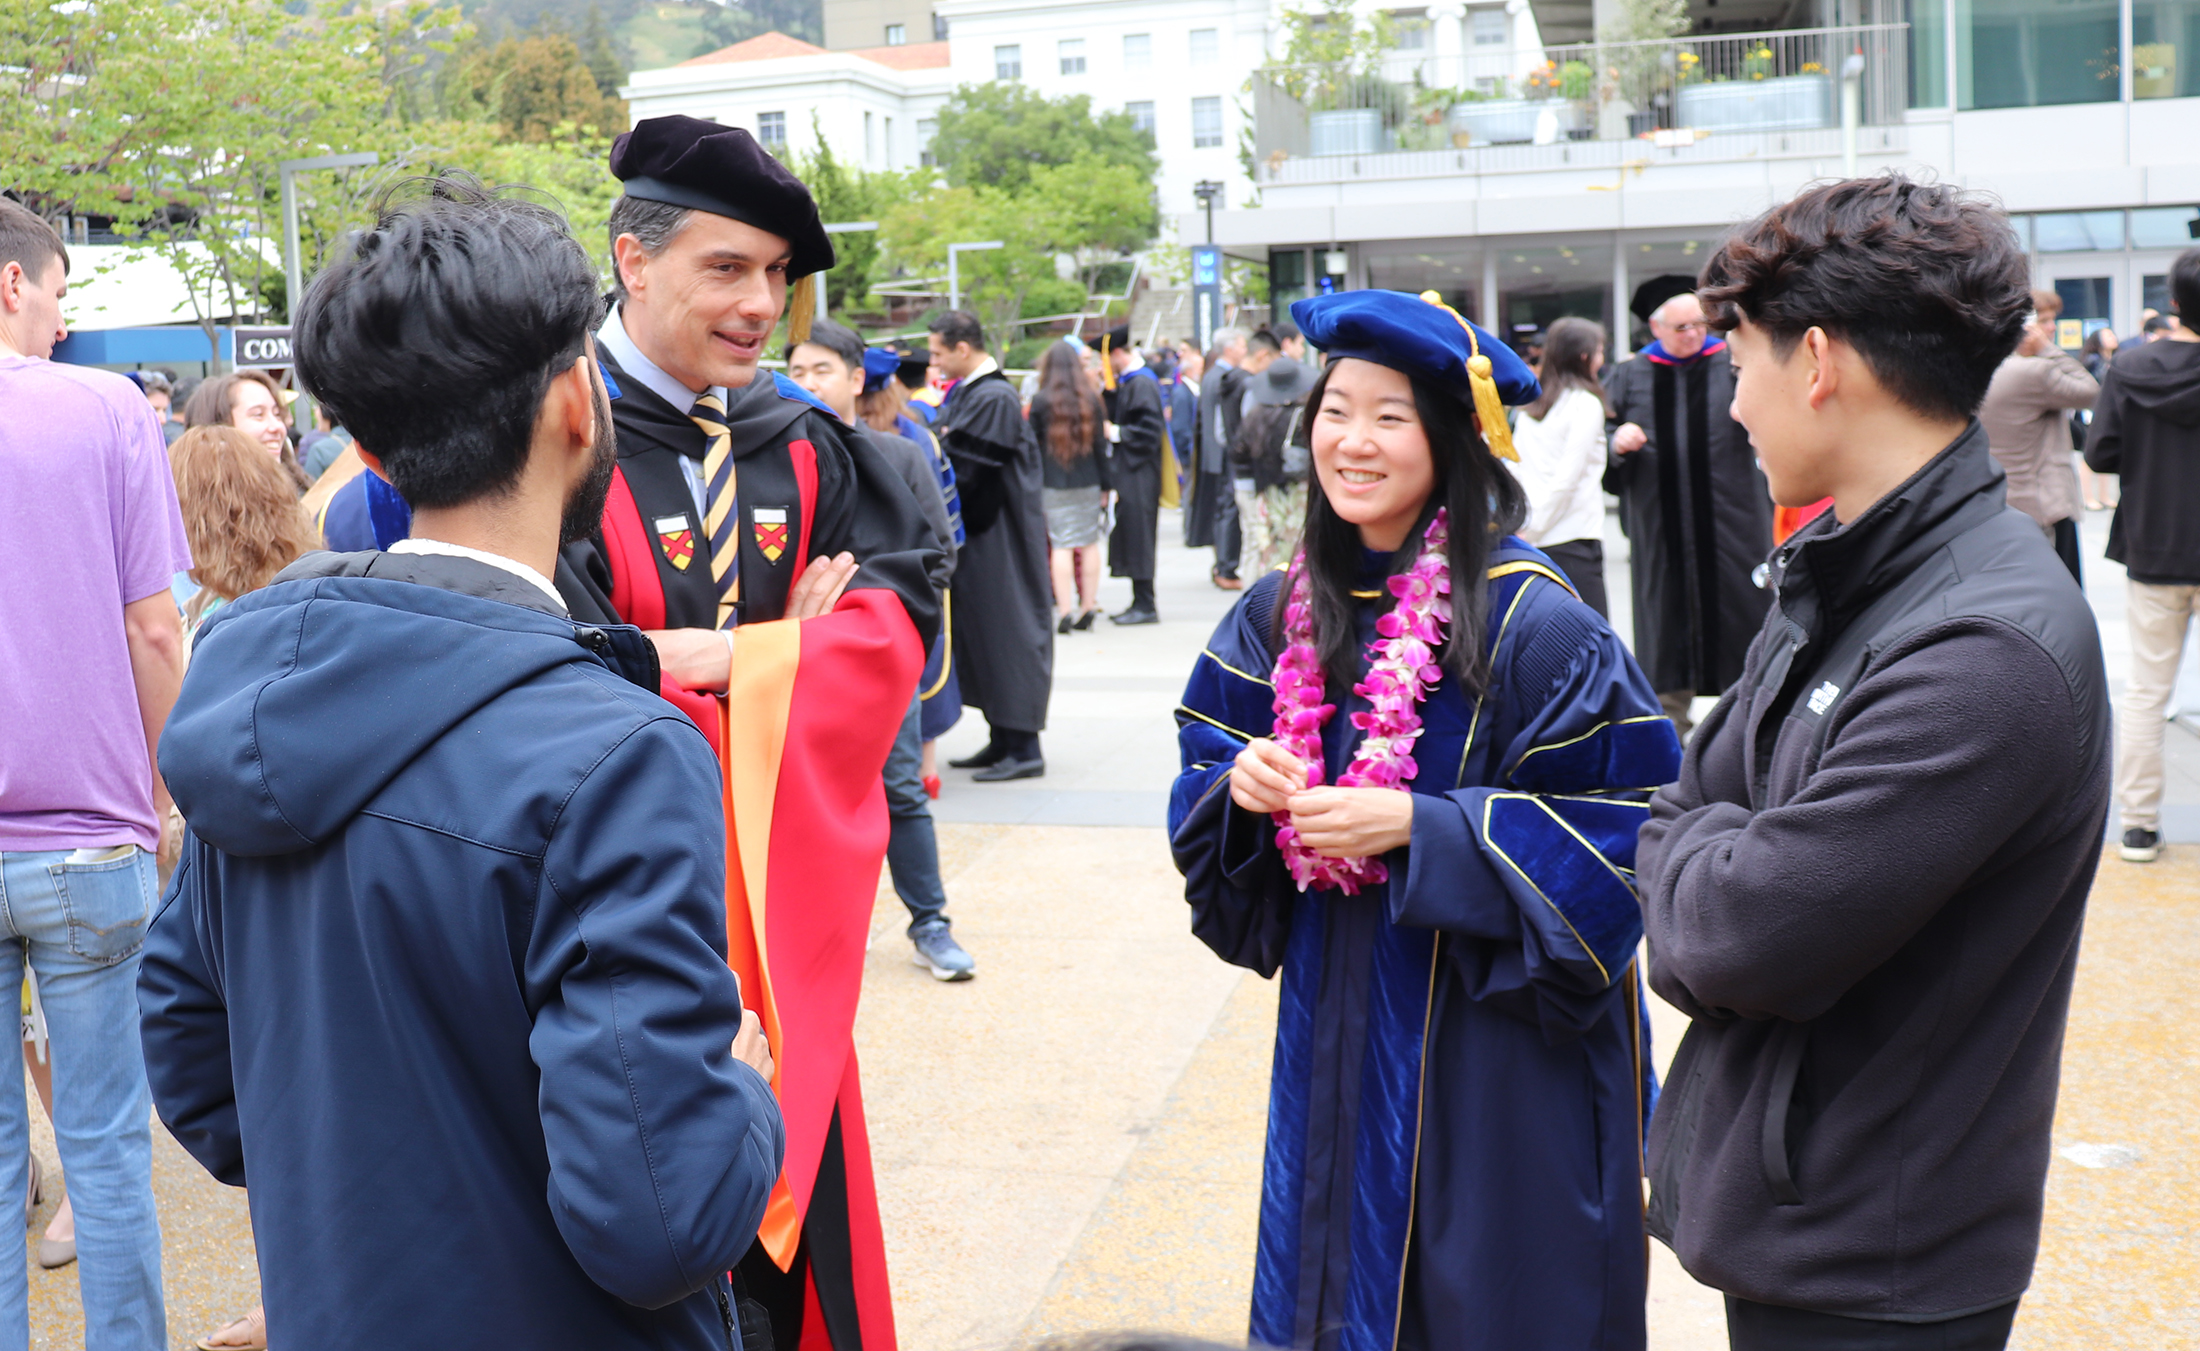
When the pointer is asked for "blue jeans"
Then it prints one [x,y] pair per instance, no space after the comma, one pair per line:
[83,925]
[912,848]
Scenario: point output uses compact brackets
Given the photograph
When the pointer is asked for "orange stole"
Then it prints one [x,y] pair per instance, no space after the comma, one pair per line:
[820,701]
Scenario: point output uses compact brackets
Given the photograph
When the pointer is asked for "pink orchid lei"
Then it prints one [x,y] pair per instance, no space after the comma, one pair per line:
[1402,668]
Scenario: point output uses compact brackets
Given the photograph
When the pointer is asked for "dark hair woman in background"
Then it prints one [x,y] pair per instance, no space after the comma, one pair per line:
[1561,442]
[1071,427]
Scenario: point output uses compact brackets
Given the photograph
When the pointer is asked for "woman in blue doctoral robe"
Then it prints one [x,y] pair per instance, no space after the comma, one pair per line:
[1461,1068]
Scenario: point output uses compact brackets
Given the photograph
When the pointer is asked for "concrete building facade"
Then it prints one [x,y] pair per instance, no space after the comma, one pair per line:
[874,106]
[1628,163]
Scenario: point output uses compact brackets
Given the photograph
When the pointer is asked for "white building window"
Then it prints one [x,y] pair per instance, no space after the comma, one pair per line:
[1409,29]
[1008,63]
[886,140]
[1071,52]
[870,140]
[927,128]
[1206,122]
[1141,116]
[1490,27]
[771,130]
[897,34]
[1137,51]
[939,29]
[1206,46]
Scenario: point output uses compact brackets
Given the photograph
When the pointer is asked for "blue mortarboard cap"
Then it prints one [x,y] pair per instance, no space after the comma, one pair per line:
[879,366]
[1423,337]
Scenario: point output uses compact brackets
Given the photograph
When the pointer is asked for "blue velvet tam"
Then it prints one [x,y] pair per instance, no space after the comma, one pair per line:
[1429,340]
[879,366]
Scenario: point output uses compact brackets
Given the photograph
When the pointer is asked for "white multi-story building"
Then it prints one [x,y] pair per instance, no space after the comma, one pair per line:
[1179,68]
[874,105]
[1176,66]
[1528,177]
[1528,200]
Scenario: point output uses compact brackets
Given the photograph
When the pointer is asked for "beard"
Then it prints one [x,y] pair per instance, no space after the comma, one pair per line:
[584,506]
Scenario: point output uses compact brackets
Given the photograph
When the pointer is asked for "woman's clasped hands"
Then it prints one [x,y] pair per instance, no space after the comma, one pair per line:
[1334,822]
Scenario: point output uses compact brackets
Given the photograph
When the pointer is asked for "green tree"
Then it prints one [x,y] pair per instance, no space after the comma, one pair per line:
[412,39]
[172,120]
[529,86]
[599,54]
[1072,218]
[996,135]
[844,194]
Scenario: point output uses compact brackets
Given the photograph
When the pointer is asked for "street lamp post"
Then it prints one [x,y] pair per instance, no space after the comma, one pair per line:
[851,227]
[954,275]
[1206,190]
[293,266]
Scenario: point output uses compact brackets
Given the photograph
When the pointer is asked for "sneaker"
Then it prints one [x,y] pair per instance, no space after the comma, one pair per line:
[2141,845]
[939,953]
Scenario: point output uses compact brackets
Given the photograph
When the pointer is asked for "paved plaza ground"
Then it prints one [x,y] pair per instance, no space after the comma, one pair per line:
[1072,1141]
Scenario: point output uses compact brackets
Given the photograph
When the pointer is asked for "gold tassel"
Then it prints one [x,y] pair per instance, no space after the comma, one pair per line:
[1107,365]
[801,308]
[1488,407]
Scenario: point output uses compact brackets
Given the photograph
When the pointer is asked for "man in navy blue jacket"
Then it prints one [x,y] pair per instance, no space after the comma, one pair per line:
[442,975]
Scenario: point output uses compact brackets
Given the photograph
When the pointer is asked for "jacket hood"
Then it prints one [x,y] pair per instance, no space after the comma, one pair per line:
[304,699]
[2163,378]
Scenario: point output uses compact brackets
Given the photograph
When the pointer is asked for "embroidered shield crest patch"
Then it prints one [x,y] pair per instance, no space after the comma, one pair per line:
[677,540]
[771,531]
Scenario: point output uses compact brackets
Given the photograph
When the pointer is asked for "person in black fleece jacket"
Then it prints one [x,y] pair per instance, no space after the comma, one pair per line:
[1867,887]
[2146,427]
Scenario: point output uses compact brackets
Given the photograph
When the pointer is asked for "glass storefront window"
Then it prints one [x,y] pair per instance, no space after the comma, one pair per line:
[1928,52]
[2164,227]
[2032,53]
[2087,304]
[2165,40]
[2078,231]
[1537,287]
[1286,279]
[1453,267]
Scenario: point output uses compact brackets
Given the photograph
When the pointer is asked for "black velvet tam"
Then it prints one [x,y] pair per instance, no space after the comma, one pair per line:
[686,161]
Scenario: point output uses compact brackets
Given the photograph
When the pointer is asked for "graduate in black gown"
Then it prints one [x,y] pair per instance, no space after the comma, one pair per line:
[1003,593]
[1133,398]
[1695,505]
[1461,1069]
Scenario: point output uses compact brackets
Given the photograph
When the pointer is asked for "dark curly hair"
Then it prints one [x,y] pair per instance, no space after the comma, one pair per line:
[1927,282]
[435,335]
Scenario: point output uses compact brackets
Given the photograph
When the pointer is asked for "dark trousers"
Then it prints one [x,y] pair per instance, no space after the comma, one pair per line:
[2066,547]
[1582,560]
[1229,540]
[1769,1327]
[912,846]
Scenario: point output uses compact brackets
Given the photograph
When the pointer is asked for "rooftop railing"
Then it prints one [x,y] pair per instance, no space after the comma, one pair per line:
[1672,93]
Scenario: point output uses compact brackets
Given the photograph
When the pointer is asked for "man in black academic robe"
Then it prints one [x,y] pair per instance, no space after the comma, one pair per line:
[1003,594]
[1210,510]
[1134,407]
[1695,507]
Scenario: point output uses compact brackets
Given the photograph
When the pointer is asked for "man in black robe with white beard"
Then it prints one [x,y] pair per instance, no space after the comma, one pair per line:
[1695,506]
[1003,595]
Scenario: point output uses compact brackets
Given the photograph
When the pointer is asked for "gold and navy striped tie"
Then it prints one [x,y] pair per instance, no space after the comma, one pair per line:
[721,508]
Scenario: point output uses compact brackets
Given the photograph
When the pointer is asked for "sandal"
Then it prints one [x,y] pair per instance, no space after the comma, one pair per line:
[253,1329]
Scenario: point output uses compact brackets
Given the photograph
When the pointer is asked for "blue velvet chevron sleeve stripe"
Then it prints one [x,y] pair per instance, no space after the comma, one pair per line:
[1545,855]
[1233,877]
